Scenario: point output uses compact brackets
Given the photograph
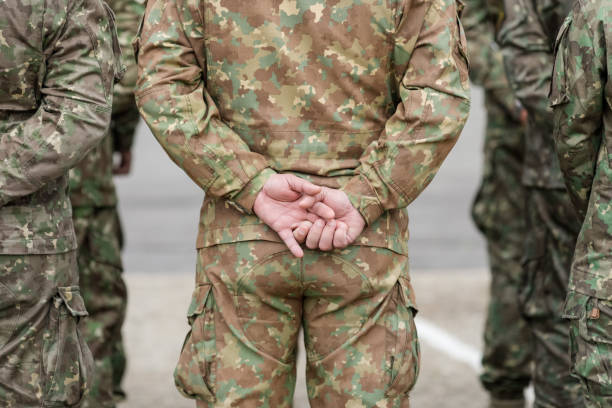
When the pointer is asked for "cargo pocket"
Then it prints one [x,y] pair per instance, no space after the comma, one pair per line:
[591,340]
[67,362]
[19,92]
[194,375]
[402,353]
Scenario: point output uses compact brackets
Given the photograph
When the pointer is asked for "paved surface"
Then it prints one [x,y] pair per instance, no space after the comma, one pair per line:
[160,208]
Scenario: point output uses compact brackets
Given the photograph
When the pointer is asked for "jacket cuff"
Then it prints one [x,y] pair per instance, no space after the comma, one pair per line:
[245,199]
[364,198]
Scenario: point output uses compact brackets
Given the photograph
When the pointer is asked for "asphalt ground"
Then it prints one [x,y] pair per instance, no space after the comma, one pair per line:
[160,207]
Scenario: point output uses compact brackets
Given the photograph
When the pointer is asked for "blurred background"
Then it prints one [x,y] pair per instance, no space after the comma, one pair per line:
[160,207]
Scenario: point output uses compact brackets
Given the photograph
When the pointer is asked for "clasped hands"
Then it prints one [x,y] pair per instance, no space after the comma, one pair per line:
[302,212]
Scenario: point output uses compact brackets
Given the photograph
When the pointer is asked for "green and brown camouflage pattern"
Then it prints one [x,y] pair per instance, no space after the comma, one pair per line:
[105,294]
[56,77]
[582,98]
[553,227]
[251,298]
[527,36]
[368,96]
[499,209]
[591,344]
[44,360]
[92,193]
[91,181]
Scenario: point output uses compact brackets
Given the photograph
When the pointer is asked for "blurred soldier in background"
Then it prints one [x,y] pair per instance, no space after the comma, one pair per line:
[96,221]
[581,95]
[57,66]
[499,210]
[528,38]
[363,98]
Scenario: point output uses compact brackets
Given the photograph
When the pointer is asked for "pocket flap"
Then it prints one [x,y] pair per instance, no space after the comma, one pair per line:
[198,300]
[71,295]
[574,306]
[407,294]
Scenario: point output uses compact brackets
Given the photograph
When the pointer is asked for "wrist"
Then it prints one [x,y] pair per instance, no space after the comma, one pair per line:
[245,199]
[363,197]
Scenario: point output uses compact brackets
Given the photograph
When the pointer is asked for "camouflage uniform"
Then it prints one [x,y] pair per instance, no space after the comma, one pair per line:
[581,95]
[366,96]
[56,76]
[96,221]
[528,36]
[499,211]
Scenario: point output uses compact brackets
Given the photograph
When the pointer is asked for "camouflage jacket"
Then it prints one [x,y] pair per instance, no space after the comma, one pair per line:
[481,19]
[56,77]
[368,96]
[91,181]
[581,95]
[527,37]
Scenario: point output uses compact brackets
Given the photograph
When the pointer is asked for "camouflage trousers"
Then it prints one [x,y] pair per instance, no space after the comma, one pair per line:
[105,294]
[251,298]
[591,347]
[553,228]
[499,213]
[44,360]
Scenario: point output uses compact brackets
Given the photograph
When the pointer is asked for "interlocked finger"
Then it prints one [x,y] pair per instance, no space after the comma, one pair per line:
[300,232]
[314,235]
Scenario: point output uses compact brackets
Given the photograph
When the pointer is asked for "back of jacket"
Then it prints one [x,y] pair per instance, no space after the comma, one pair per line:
[56,76]
[368,96]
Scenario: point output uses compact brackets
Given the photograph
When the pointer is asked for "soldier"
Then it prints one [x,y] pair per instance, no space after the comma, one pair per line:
[57,65]
[581,94]
[362,98]
[499,211]
[528,36]
[96,221]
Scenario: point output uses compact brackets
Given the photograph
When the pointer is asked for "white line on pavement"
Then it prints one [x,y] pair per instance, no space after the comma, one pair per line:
[448,344]
[445,342]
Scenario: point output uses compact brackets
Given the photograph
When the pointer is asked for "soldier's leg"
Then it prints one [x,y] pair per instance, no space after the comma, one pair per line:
[118,358]
[118,364]
[499,212]
[44,360]
[361,342]
[591,346]
[549,250]
[245,316]
[104,292]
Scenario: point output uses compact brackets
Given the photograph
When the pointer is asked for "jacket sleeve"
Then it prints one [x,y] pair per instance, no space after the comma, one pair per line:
[125,112]
[486,61]
[75,107]
[528,59]
[433,107]
[577,97]
[174,102]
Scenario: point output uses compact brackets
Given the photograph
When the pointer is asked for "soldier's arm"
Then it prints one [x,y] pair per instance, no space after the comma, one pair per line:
[577,97]
[486,61]
[434,105]
[173,100]
[527,58]
[75,102]
[125,112]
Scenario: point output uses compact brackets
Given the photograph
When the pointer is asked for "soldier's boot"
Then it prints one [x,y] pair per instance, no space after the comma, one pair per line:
[506,403]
